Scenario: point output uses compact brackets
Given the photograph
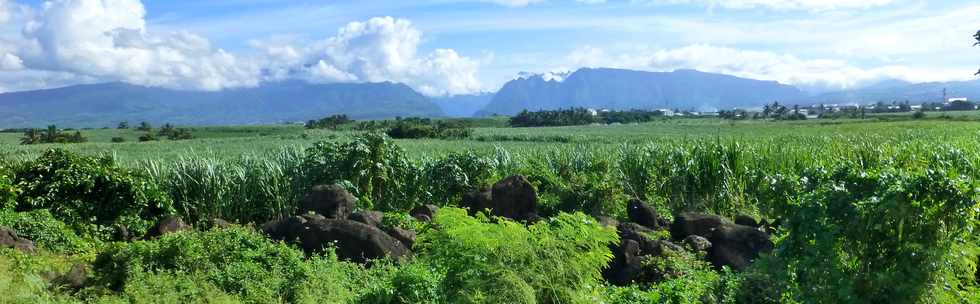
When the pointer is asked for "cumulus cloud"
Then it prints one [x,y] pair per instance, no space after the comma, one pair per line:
[108,39]
[778,4]
[789,69]
[379,49]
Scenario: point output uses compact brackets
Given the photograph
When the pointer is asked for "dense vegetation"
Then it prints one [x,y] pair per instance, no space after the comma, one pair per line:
[580,116]
[870,212]
[51,135]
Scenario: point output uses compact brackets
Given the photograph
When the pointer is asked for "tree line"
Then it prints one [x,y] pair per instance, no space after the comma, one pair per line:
[580,116]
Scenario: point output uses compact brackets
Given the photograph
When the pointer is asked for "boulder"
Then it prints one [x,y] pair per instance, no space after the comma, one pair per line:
[217,223]
[514,198]
[641,213]
[74,279]
[286,229]
[331,201]
[746,220]
[478,200]
[370,217]
[407,237]
[695,224]
[424,213]
[167,225]
[639,234]
[9,239]
[626,264]
[354,241]
[737,246]
[697,243]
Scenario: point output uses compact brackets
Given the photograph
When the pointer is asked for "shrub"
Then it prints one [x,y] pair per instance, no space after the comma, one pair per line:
[237,261]
[42,228]
[884,236]
[84,190]
[22,278]
[452,176]
[118,140]
[148,137]
[499,261]
[380,174]
[8,194]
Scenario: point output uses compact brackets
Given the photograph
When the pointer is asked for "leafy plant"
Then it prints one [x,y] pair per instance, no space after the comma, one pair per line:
[880,236]
[81,190]
[237,261]
[380,173]
[496,260]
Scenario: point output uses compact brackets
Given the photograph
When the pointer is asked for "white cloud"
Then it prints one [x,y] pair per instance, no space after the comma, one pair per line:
[514,3]
[778,4]
[108,39]
[380,49]
[789,69]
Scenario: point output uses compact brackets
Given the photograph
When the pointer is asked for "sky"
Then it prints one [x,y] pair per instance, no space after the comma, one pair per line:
[451,47]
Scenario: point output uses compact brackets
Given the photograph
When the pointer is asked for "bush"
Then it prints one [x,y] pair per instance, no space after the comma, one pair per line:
[42,228]
[8,194]
[237,261]
[82,190]
[456,174]
[149,136]
[378,171]
[118,140]
[498,261]
[887,236]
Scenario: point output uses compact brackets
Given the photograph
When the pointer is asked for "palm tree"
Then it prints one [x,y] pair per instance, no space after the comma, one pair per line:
[31,137]
[51,135]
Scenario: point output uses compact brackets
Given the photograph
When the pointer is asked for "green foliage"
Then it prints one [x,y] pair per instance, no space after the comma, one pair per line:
[166,287]
[426,128]
[8,193]
[452,176]
[149,136]
[331,122]
[22,280]
[247,189]
[236,261]
[118,139]
[51,135]
[84,190]
[555,261]
[380,173]
[580,116]
[42,228]
[888,236]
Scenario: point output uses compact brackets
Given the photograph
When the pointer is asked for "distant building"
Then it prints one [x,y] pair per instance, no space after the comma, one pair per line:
[666,112]
[960,99]
[593,112]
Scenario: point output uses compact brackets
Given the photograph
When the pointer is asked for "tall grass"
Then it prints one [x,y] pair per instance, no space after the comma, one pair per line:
[719,175]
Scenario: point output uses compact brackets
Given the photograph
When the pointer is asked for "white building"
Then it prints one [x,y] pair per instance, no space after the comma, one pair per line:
[961,99]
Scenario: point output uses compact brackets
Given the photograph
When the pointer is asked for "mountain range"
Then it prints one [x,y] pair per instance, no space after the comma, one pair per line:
[617,89]
[98,105]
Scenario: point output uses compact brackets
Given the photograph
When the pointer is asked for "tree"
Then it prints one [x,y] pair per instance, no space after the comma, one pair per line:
[145,126]
[977,37]
[123,125]
[31,137]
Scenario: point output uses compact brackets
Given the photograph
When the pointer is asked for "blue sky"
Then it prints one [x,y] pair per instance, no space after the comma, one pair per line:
[458,46]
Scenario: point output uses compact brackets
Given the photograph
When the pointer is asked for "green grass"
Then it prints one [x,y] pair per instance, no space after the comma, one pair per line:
[234,141]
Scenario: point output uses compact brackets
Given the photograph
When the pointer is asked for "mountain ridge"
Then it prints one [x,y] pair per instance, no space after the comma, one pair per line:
[97,105]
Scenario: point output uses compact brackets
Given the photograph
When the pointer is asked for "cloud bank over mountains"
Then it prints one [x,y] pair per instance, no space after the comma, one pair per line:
[109,40]
[471,46]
